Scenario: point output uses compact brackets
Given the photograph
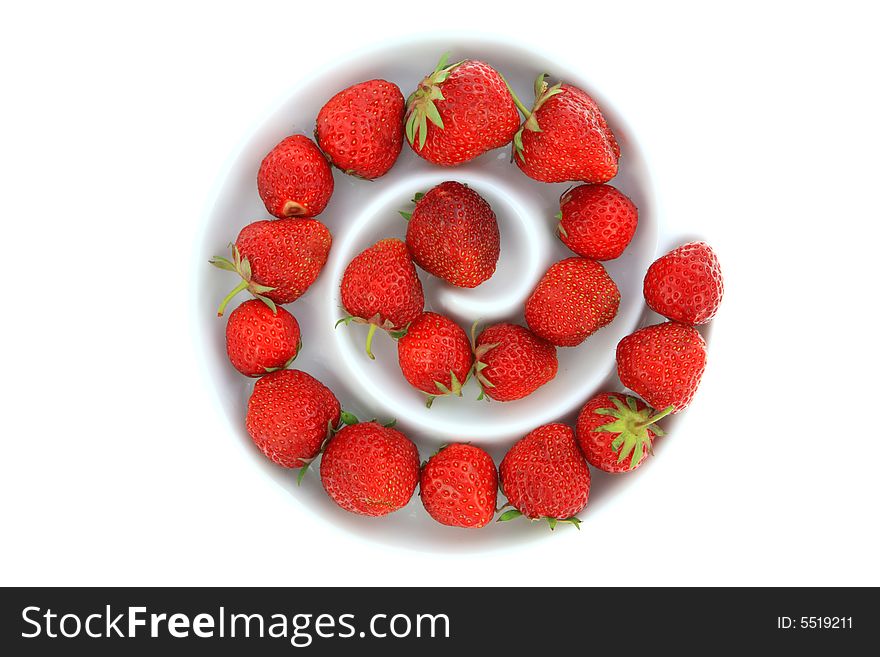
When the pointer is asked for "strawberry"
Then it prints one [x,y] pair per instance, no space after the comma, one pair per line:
[435,356]
[512,362]
[460,111]
[360,129]
[662,364]
[289,415]
[380,287]
[295,179]
[574,299]
[544,475]
[453,234]
[616,432]
[259,340]
[370,469]
[685,285]
[459,486]
[565,137]
[277,260]
[596,221]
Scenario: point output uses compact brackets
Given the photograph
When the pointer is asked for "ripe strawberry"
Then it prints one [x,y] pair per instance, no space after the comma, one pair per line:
[295,179]
[289,416]
[685,285]
[277,260]
[460,111]
[435,356]
[370,469]
[616,431]
[453,234]
[662,364]
[380,287]
[544,475]
[459,486]
[574,299]
[565,137]
[259,340]
[596,221]
[512,362]
[361,128]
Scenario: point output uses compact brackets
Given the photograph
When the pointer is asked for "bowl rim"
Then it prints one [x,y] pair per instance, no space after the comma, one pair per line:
[462,40]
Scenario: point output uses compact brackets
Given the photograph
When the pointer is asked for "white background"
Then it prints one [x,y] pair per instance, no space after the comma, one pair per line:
[761,123]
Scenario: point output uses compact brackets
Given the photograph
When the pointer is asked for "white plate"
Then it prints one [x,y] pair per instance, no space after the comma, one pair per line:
[362,212]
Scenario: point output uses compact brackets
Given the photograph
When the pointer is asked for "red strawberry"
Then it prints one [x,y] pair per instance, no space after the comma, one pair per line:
[289,416]
[596,221]
[565,137]
[685,285]
[662,364]
[361,128]
[435,356]
[380,287]
[370,469]
[459,486]
[277,260]
[616,431]
[544,475]
[295,179]
[460,111]
[513,362]
[259,340]
[574,299]
[453,234]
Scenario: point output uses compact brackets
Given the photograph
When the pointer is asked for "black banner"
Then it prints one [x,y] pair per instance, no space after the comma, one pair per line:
[430,621]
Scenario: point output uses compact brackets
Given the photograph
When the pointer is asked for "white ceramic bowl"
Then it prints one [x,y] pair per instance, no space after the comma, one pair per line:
[362,212]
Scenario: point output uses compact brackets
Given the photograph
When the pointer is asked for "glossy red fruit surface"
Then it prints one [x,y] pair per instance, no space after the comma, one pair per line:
[685,285]
[459,486]
[435,355]
[567,139]
[259,340]
[360,129]
[473,112]
[288,416]
[370,469]
[663,364]
[574,299]
[295,179]
[545,475]
[597,221]
[380,286]
[512,362]
[453,234]
[286,255]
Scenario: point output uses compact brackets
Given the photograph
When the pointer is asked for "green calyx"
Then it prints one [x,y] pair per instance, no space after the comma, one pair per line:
[565,198]
[543,93]
[242,267]
[479,365]
[512,514]
[632,426]
[269,370]
[415,199]
[421,107]
[454,388]
[375,322]
[559,227]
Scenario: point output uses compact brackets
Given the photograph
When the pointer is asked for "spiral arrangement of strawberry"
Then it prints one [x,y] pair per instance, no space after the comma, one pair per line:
[457,113]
